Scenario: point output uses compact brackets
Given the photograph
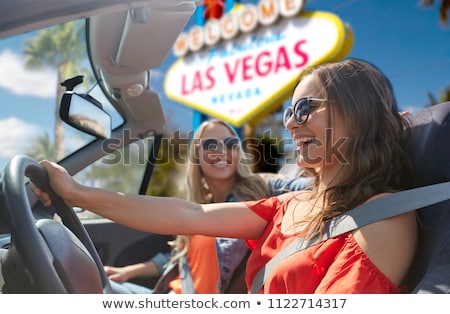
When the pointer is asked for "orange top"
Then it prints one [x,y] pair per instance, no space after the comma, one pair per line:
[337,265]
[204,265]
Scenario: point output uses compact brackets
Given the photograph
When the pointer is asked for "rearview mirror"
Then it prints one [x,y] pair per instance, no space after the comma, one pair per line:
[85,113]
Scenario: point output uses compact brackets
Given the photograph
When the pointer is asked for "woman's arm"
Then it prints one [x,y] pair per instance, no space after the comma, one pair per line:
[151,268]
[125,273]
[161,215]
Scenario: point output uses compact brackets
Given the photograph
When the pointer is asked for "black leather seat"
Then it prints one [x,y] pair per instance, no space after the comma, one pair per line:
[430,152]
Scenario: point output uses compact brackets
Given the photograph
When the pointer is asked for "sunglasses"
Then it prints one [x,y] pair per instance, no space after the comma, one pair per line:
[216,145]
[300,110]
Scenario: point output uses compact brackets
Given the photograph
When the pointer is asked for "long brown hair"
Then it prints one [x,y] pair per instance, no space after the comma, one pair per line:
[376,152]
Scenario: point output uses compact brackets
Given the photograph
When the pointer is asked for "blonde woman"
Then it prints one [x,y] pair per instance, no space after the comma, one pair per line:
[217,171]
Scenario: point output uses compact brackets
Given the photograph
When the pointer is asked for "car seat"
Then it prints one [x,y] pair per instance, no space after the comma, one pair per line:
[237,283]
[429,147]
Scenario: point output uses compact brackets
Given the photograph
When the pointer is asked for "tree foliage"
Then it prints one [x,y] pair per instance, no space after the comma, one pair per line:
[42,148]
[444,8]
[61,48]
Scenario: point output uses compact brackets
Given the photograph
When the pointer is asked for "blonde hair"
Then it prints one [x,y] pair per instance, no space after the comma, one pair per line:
[247,186]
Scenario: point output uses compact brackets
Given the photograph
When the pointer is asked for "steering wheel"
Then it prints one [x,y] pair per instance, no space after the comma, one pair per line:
[54,256]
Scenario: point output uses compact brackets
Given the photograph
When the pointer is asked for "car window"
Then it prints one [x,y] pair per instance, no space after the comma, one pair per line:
[29,119]
[123,170]
[32,71]
[32,66]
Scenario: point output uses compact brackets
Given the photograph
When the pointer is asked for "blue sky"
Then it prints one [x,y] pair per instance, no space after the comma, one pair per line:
[407,42]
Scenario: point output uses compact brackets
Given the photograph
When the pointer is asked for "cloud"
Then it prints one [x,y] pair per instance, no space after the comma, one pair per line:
[11,130]
[20,81]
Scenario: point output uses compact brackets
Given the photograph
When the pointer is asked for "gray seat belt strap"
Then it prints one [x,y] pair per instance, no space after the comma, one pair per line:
[372,211]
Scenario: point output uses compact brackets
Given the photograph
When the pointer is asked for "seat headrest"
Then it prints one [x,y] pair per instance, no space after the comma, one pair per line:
[429,145]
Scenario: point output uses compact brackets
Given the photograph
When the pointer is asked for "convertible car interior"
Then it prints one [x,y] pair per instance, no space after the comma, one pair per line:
[43,252]
[52,250]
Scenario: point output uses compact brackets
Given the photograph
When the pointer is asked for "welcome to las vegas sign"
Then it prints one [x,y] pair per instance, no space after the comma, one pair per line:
[243,78]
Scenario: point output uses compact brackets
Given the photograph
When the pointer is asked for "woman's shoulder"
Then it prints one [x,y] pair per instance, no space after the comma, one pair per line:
[392,225]
[393,228]
[396,228]
[298,195]
[390,243]
[266,208]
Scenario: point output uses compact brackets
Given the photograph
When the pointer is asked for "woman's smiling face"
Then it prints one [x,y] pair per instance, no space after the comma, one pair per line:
[313,137]
[220,164]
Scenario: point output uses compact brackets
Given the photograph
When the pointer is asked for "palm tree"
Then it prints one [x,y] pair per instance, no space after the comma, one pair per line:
[444,95]
[59,47]
[443,9]
[42,148]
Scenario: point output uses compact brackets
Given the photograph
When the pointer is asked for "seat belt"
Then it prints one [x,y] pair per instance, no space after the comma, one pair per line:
[171,271]
[372,211]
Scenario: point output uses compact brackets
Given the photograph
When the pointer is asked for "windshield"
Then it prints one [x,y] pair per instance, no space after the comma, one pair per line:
[33,65]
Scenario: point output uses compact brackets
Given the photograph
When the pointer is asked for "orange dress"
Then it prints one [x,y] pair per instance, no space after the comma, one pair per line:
[204,266]
[337,265]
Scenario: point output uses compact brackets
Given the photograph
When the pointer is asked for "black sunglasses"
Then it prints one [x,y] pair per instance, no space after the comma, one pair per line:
[300,110]
[215,144]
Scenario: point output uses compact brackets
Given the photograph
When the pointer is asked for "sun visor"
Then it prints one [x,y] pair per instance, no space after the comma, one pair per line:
[143,45]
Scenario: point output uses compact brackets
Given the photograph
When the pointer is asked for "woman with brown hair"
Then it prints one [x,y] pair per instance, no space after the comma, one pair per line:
[348,131]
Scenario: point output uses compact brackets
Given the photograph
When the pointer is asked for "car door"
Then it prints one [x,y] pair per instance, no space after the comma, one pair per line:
[118,245]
